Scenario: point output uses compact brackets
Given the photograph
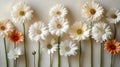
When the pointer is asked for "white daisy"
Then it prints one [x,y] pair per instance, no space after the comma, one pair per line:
[92,11]
[38,31]
[79,31]
[58,26]
[68,48]
[58,11]
[6,27]
[14,53]
[101,32]
[21,13]
[113,16]
[50,45]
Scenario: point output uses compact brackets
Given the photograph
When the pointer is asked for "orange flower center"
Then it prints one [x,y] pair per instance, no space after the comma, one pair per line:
[112,47]
[59,26]
[15,37]
[92,11]
[2,27]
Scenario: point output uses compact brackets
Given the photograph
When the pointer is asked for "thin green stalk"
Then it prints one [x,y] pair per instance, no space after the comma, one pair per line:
[25,47]
[115,31]
[101,54]
[80,53]
[59,58]
[111,65]
[39,54]
[15,61]
[50,60]
[68,61]
[7,63]
[34,60]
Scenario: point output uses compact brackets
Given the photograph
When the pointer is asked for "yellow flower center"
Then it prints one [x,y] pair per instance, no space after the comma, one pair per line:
[39,32]
[49,46]
[114,16]
[67,49]
[79,31]
[58,13]
[2,27]
[22,13]
[59,26]
[92,11]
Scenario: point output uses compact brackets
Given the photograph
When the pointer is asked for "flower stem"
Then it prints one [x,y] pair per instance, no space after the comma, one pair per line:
[34,60]
[101,54]
[112,57]
[39,54]
[25,47]
[115,31]
[50,60]
[68,61]
[80,53]
[15,61]
[59,58]
[7,63]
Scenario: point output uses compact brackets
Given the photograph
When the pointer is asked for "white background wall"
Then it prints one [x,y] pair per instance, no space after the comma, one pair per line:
[41,8]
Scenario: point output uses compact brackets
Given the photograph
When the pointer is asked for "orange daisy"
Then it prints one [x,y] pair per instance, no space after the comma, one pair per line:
[112,46]
[16,37]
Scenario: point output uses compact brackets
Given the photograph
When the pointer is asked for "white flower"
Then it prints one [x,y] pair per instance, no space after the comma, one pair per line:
[113,16]
[21,13]
[6,27]
[58,26]
[79,31]
[49,45]
[38,31]
[58,11]
[68,48]
[101,32]
[92,11]
[14,53]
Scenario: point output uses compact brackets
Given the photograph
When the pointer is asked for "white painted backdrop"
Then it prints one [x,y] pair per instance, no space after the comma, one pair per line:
[41,9]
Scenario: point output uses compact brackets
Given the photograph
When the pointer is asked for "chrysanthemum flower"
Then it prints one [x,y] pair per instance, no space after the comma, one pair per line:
[38,31]
[21,13]
[79,31]
[58,11]
[6,27]
[58,26]
[16,37]
[92,11]
[68,48]
[112,46]
[113,16]
[101,32]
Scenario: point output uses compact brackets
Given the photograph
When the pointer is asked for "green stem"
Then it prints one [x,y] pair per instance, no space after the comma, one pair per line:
[59,58]
[39,54]
[101,54]
[111,65]
[50,60]
[15,61]
[34,60]
[68,61]
[115,31]
[25,47]
[80,53]
[7,63]
[91,50]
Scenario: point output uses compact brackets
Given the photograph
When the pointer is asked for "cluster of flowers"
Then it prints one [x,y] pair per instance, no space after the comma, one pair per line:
[50,36]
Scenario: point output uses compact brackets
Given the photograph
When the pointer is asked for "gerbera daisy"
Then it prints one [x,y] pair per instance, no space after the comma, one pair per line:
[58,26]
[58,11]
[6,27]
[68,48]
[92,11]
[16,37]
[38,31]
[113,16]
[112,46]
[101,32]
[79,31]
[21,13]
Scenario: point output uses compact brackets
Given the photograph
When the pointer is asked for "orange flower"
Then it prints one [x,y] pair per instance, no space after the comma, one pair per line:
[16,37]
[112,46]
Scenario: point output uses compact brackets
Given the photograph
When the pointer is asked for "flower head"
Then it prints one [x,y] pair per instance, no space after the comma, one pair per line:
[16,37]
[21,13]
[58,11]
[58,26]
[113,16]
[38,31]
[6,27]
[68,48]
[101,32]
[79,31]
[14,53]
[92,11]
[112,46]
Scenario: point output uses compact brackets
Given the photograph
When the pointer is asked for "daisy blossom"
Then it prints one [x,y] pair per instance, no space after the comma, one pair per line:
[58,11]
[101,32]
[113,16]
[58,26]
[68,48]
[38,31]
[21,13]
[92,11]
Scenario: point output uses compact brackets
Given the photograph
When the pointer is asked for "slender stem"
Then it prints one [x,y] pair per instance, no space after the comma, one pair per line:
[80,53]
[50,60]
[25,46]
[39,54]
[7,63]
[112,57]
[59,58]
[15,61]
[34,60]
[101,54]
[115,31]
[68,61]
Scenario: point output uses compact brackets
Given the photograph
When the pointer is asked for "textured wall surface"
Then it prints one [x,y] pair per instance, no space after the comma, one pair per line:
[41,9]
